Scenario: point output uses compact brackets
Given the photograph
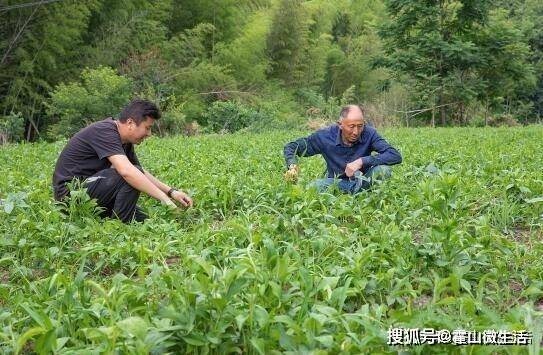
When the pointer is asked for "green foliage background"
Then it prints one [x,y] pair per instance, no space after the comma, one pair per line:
[472,62]
[452,241]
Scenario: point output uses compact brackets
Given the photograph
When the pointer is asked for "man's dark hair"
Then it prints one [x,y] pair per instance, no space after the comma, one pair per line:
[346,109]
[139,110]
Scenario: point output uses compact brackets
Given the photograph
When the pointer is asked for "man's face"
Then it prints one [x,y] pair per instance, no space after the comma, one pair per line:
[137,133]
[352,126]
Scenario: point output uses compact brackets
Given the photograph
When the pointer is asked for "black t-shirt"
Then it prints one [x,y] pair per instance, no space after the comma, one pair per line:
[87,152]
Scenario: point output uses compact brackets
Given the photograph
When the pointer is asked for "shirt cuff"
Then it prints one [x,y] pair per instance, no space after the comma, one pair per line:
[369,161]
[291,161]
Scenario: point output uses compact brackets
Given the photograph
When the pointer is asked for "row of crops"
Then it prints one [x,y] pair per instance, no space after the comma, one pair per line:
[452,241]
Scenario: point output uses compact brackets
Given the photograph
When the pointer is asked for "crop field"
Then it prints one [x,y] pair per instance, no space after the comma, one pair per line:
[454,240]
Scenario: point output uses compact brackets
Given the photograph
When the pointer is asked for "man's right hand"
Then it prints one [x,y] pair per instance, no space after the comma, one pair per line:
[182,198]
[292,173]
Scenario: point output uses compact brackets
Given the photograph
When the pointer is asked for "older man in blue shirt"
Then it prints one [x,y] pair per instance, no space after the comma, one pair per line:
[346,148]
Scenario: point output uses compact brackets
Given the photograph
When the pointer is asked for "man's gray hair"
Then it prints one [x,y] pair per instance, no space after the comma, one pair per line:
[346,109]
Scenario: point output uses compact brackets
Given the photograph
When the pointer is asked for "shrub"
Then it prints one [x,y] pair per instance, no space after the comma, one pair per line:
[503,120]
[231,116]
[12,128]
[173,120]
[318,107]
[100,94]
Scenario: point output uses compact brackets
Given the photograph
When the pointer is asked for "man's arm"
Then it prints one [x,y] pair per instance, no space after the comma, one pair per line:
[162,186]
[302,147]
[386,154]
[178,195]
[135,178]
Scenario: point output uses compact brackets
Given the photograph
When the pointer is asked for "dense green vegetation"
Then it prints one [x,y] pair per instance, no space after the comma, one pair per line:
[64,63]
[452,241]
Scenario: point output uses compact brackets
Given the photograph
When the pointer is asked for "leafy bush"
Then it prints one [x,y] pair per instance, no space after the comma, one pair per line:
[12,127]
[503,120]
[190,46]
[231,116]
[318,107]
[173,120]
[279,116]
[100,94]
[198,85]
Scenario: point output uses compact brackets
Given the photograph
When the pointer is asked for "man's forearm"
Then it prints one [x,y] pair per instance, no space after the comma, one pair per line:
[141,182]
[301,147]
[178,195]
[389,157]
[162,186]
[289,153]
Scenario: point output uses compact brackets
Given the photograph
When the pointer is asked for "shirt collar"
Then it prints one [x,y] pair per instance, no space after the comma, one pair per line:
[339,141]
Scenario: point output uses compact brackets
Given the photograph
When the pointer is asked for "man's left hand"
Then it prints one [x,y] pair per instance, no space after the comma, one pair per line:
[182,198]
[353,167]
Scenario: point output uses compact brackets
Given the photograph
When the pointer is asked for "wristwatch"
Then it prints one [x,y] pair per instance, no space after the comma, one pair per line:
[170,192]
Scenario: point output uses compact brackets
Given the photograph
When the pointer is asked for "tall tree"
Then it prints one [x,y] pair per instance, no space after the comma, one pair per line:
[433,42]
[529,14]
[42,49]
[505,73]
[286,42]
[120,28]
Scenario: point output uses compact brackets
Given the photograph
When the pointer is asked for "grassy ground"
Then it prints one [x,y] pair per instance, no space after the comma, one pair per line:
[452,241]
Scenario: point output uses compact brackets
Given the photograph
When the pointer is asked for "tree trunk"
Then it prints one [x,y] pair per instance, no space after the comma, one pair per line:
[442,111]
[486,115]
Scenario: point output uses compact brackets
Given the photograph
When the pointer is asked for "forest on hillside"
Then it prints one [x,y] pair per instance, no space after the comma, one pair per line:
[225,65]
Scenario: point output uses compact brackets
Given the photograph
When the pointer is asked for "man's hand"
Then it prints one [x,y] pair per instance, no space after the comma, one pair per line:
[353,167]
[292,173]
[182,198]
[169,203]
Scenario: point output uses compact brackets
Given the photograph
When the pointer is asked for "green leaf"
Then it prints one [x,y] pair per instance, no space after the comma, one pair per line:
[47,343]
[37,316]
[329,311]
[61,342]
[283,319]
[29,334]
[133,326]
[195,339]
[259,345]
[532,291]
[261,316]
[446,301]
[534,200]
[465,285]
[326,340]
[240,320]
[8,206]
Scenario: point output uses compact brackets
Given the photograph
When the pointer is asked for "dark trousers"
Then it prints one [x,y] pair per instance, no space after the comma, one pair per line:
[115,195]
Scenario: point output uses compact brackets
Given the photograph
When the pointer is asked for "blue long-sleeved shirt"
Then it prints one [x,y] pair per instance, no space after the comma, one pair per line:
[337,155]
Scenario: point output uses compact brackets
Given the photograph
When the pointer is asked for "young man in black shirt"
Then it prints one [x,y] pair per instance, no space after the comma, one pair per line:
[102,156]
